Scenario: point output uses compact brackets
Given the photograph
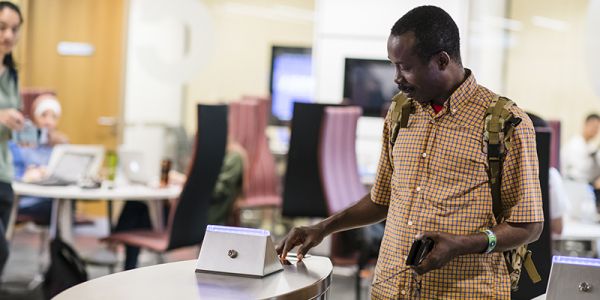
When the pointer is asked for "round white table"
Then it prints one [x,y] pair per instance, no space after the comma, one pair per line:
[309,279]
[61,211]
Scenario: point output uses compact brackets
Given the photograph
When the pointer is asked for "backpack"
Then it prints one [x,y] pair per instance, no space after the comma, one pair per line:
[66,268]
[499,126]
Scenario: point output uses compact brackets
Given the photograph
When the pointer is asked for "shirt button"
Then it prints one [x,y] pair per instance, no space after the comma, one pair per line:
[403,292]
[424,154]
[409,223]
[418,189]
[454,111]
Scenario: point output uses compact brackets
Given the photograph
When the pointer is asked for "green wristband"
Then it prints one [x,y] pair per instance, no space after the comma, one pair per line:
[491,240]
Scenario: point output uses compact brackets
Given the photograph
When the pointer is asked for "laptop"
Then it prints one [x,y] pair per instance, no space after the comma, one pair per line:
[134,167]
[69,164]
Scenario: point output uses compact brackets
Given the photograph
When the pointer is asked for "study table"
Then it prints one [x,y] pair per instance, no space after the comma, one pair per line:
[62,195]
[309,279]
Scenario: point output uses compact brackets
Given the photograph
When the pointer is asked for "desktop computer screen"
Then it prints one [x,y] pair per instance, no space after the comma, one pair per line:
[369,83]
[291,80]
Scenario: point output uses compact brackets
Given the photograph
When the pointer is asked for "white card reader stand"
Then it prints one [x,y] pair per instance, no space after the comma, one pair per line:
[238,251]
[574,278]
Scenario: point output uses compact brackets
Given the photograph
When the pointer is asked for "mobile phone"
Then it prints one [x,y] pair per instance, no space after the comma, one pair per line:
[418,251]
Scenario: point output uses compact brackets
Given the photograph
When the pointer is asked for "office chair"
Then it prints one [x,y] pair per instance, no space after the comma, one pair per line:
[188,217]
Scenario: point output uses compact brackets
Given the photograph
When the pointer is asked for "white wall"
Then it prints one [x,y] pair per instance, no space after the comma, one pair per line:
[151,102]
[360,29]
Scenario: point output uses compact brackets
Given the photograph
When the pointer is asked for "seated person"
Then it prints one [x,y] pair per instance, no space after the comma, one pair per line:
[30,161]
[227,189]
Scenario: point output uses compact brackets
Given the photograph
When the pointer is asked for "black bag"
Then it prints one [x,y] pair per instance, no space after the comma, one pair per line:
[66,268]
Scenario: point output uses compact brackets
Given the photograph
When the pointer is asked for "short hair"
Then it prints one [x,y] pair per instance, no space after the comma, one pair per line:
[434,30]
[592,117]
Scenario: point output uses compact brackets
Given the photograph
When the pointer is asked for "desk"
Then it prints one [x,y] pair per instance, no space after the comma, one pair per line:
[63,194]
[307,280]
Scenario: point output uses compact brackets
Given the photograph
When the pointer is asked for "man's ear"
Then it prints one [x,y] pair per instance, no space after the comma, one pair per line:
[442,60]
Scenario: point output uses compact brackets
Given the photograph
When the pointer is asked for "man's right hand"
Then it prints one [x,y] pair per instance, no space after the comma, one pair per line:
[12,118]
[305,236]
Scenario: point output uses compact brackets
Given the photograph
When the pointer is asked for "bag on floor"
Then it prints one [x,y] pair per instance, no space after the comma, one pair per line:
[66,268]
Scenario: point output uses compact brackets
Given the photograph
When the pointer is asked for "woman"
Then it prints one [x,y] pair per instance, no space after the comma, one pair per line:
[10,118]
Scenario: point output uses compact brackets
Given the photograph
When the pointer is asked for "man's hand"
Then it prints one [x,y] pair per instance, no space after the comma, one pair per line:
[11,118]
[446,247]
[305,236]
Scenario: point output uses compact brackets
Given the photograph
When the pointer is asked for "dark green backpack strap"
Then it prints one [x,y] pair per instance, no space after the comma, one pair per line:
[401,108]
[499,126]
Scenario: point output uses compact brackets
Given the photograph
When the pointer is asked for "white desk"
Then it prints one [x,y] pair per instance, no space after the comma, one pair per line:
[307,280]
[63,194]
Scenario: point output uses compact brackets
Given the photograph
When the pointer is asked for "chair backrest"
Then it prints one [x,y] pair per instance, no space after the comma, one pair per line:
[555,144]
[337,158]
[303,194]
[248,122]
[188,222]
[542,248]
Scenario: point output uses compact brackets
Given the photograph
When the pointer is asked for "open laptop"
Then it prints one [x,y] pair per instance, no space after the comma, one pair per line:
[69,164]
[134,167]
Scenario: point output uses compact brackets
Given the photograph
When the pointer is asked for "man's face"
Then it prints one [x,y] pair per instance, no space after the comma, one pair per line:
[421,81]
[591,128]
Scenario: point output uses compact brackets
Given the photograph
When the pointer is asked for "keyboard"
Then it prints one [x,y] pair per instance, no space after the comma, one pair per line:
[54,181]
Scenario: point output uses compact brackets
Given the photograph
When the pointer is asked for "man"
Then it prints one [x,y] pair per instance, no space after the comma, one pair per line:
[579,155]
[435,183]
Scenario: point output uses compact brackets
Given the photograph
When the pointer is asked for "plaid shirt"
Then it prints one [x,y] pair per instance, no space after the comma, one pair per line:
[438,181]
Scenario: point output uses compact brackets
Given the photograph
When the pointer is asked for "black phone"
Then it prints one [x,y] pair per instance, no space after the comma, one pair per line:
[419,249]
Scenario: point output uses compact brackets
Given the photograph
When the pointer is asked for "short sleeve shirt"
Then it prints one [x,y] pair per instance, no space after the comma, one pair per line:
[435,179]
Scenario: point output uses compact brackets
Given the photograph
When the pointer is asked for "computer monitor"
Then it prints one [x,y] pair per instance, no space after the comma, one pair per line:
[369,83]
[291,80]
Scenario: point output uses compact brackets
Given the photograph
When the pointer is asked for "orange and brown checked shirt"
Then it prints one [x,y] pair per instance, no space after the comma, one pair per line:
[436,180]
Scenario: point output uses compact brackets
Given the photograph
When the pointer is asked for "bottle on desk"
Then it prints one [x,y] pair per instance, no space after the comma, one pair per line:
[165,168]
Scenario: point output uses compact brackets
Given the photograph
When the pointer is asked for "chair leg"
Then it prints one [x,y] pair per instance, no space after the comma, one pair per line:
[357,286]
[161,258]
[43,243]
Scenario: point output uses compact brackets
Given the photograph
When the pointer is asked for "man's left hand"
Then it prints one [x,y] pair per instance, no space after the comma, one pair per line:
[446,247]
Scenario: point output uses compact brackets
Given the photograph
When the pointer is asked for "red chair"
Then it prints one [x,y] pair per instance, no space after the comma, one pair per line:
[555,144]
[247,123]
[337,158]
[340,180]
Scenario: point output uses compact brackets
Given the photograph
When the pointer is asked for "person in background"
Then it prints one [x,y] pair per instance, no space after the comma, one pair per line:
[579,156]
[558,193]
[580,159]
[432,182]
[30,161]
[228,188]
[10,117]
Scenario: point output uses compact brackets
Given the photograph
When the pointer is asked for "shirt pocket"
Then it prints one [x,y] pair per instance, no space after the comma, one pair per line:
[459,153]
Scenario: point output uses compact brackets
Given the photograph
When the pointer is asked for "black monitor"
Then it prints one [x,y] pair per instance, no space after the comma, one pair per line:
[291,80]
[369,83]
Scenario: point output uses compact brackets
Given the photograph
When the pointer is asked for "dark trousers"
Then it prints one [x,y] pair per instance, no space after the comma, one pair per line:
[6,202]
[134,215]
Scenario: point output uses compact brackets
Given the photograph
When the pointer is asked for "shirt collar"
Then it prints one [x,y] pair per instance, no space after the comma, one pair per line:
[459,97]
[463,93]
